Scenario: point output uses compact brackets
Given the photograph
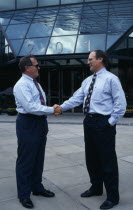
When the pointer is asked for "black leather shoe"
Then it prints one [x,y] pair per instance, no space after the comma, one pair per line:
[44,193]
[89,193]
[27,203]
[108,204]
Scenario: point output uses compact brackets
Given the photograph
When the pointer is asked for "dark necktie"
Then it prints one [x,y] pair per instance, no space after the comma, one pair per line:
[87,101]
[40,93]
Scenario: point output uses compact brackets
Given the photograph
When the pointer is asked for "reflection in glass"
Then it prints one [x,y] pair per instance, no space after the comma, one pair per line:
[93,0]
[39,30]
[26,4]
[67,20]
[3,28]
[87,43]
[46,15]
[131,35]
[7,5]
[34,46]
[24,16]
[43,22]
[112,38]
[5,17]
[47,2]
[16,44]
[71,1]
[17,31]
[120,16]
[94,18]
[67,43]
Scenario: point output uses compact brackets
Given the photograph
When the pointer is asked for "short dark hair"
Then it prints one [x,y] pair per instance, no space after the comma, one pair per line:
[25,61]
[102,54]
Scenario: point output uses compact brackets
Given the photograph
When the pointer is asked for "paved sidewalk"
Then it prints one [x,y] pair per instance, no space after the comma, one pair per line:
[66,118]
[64,171]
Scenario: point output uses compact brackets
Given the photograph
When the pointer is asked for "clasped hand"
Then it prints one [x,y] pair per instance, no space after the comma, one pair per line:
[57,109]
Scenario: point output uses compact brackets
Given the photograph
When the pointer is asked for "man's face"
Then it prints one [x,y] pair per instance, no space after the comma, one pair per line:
[32,71]
[94,64]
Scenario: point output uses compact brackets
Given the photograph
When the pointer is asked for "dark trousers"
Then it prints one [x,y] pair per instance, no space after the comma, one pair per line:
[32,134]
[101,160]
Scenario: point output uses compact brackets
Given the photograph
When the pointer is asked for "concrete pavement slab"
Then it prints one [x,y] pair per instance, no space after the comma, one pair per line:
[128,159]
[7,189]
[68,176]
[65,171]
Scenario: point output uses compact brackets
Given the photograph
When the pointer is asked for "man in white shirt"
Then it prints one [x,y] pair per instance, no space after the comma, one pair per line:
[104,104]
[31,129]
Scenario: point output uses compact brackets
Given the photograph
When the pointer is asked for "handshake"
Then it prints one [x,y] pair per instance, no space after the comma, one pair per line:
[57,109]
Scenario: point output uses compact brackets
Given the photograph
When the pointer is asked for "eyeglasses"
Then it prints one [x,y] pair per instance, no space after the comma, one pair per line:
[37,65]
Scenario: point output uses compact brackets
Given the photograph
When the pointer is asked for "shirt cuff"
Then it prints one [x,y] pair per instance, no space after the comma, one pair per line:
[63,107]
[112,120]
[50,110]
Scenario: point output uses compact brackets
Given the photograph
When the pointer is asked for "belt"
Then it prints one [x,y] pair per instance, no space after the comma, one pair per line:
[33,115]
[97,115]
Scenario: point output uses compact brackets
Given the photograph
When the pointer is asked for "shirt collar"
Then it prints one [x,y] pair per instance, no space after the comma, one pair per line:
[101,71]
[28,77]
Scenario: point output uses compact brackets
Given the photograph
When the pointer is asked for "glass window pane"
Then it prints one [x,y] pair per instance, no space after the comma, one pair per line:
[39,30]
[71,1]
[4,28]
[120,16]
[5,18]
[17,31]
[67,20]
[24,16]
[61,45]
[43,22]
[112,38]
[34,46]
[16,44]
[7,5]
[93,0]
[26,4]
[46,15]
[94,18]
[131,35]
[47,2]
[87,43]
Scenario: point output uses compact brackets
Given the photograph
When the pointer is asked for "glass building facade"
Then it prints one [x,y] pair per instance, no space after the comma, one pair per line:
[61,33]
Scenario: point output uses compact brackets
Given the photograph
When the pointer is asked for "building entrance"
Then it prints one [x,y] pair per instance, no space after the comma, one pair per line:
[60,83]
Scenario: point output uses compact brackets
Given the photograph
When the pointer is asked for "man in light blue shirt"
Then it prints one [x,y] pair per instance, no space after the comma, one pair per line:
[104,104]
[31,129]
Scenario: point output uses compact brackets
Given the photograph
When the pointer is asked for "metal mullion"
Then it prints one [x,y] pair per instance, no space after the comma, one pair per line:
[95,12]
[79,27]
[120,40]
[26,33]
[16,4]
[52,30]
[107,28]
[8,40]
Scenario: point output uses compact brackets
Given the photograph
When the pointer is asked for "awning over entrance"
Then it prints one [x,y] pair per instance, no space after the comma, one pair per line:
[67,29]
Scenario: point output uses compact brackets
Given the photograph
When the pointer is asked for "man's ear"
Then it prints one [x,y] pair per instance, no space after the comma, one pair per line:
[26,68]
[101,59]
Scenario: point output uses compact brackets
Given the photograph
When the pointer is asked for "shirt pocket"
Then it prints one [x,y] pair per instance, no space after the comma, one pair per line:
[98,92]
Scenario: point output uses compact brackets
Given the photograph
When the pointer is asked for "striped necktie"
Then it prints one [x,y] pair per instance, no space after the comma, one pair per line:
[87,101]
[40,93]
